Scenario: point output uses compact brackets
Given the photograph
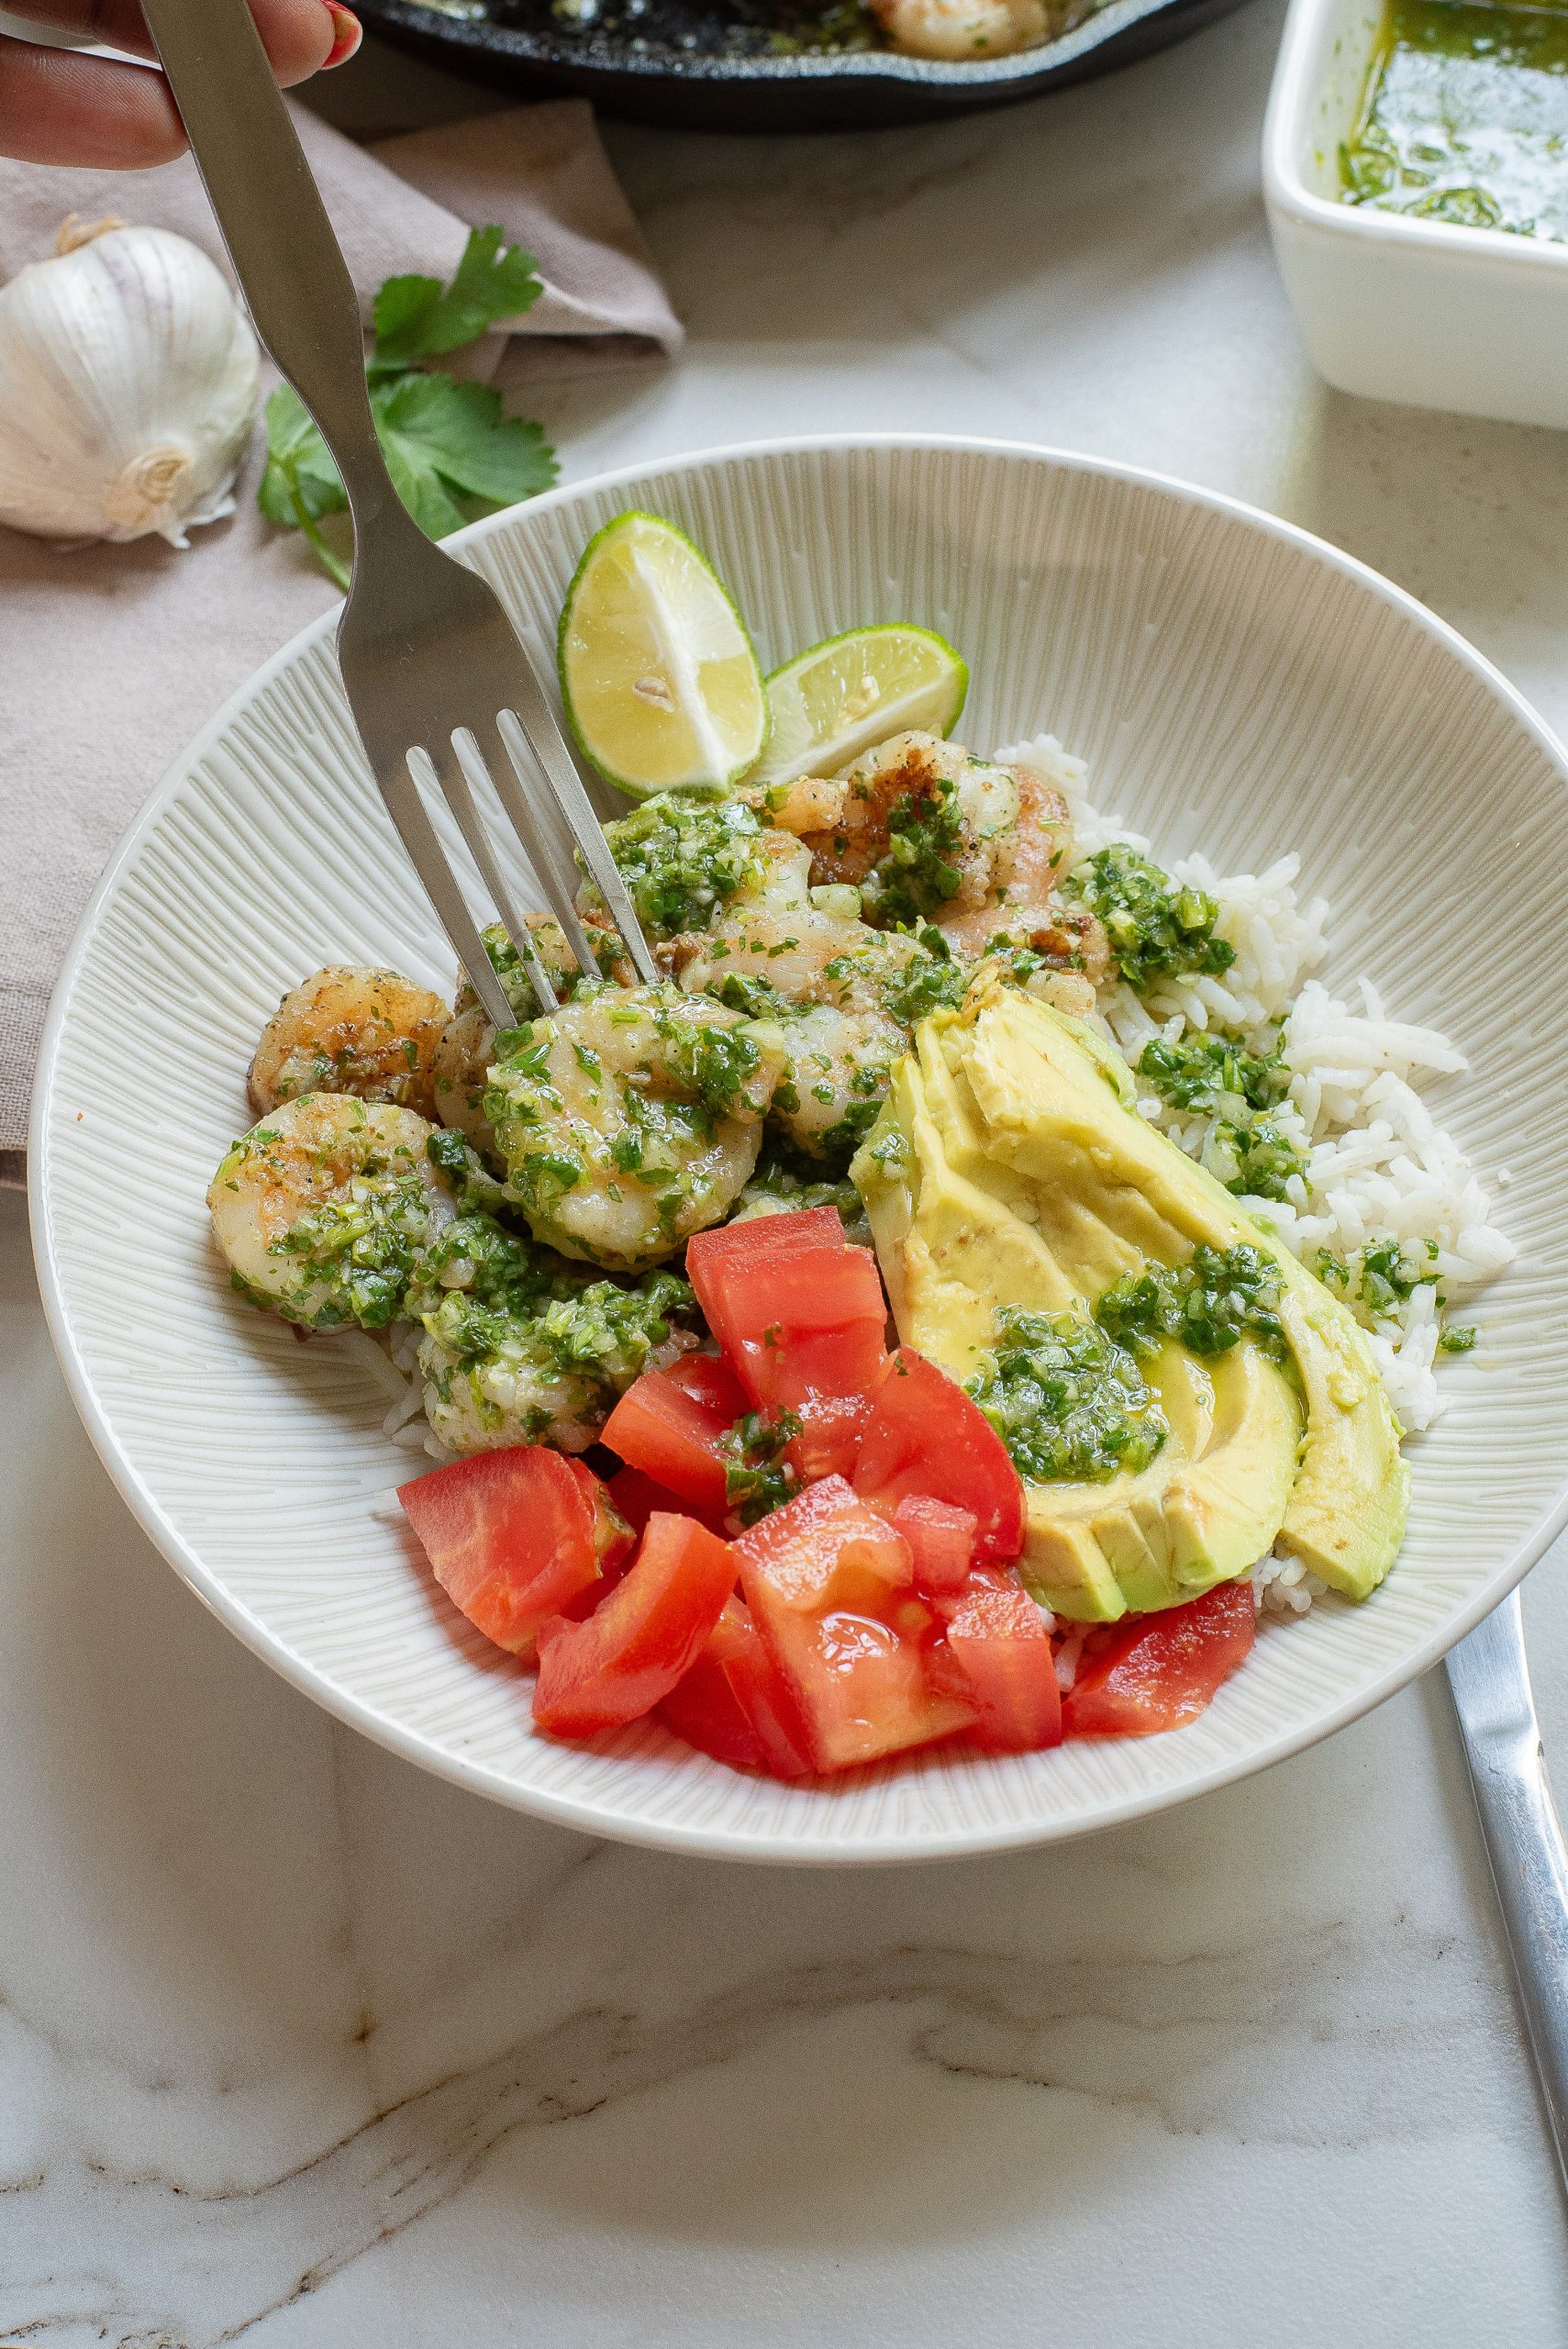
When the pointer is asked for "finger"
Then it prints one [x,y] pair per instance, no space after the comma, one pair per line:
[59,107]
[299,36]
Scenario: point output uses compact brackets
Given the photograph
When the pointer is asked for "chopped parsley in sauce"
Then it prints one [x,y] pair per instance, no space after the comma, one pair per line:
[1466,118]
[1214,1075]
[684,860]
[1066,1400]
[757,1476]
[916,873]
[1158,927]
[1209,1304]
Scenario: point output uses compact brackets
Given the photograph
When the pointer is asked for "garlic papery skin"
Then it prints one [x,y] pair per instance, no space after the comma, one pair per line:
[128,382]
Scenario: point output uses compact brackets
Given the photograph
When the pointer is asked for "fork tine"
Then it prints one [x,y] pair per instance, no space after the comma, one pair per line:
[399,789]
[458,795]
[535,722]
[550,856]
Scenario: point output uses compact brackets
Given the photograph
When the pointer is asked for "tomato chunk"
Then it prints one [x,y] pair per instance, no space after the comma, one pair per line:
[998,1640]
[514,1536]
[1154,1672]
[802,1316]
[672,1436]
[645,1636]
[703,1707]
[637,1495]
[829,1586]
[769,1703]
[942,1539]
[925,1435]
[710,1381]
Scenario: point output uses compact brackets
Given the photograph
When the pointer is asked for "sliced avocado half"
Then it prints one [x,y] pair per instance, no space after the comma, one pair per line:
[1010,1165]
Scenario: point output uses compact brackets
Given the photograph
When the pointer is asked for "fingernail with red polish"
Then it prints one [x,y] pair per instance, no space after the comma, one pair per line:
[346,34]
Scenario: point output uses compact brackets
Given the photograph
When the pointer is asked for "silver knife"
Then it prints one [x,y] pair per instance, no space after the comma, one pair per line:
[1489,1678]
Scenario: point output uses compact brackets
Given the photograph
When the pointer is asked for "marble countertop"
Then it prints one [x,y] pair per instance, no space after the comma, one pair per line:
[301,2047]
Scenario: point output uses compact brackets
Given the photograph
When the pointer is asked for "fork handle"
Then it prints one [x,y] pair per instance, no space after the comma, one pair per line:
[288,261]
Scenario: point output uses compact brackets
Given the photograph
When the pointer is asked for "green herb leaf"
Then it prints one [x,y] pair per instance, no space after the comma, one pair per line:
[300,471]
[1209,1304]
[451,449]
[419,318]
[444,440]
[1158,927]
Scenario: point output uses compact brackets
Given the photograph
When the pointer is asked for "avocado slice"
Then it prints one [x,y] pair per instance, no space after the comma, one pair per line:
[1010,1165]
[959,1228]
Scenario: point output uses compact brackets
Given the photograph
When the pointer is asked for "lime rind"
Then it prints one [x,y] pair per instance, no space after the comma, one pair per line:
[730,753]
[933,702]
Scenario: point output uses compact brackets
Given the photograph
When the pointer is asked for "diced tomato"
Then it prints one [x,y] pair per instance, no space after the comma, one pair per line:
[830,1431]
[942,1539]
[828,1584]
[925,1435]
[710,1381]
[644,1637]
[514,1536]
[998,1642]
[672,1436]
[802,1316]
[1154,1672]
[703,1707]
[637,1495]
[769,1703]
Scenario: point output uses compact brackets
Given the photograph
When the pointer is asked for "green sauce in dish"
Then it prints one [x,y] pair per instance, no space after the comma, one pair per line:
[1067,1402]
[1466,118]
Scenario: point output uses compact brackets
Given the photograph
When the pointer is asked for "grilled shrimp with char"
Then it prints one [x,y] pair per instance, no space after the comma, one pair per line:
[351,1028]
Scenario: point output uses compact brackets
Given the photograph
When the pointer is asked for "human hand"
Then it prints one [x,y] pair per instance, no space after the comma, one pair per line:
[59,106]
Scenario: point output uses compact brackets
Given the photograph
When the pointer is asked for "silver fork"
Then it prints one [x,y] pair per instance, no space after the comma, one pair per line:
[441,690]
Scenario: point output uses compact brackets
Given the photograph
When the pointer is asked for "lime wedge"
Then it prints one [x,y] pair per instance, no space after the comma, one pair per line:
[854,690]
[661,684]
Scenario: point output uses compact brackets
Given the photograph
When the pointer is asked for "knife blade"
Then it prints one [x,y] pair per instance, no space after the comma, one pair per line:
[1489,1678]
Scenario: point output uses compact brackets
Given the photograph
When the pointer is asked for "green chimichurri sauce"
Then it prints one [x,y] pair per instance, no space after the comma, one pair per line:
[1466,118]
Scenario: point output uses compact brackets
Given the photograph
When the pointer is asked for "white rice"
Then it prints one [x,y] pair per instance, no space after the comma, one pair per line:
[1378,1161]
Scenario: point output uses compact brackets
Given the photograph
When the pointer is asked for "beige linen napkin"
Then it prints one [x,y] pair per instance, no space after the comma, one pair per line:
[111,657]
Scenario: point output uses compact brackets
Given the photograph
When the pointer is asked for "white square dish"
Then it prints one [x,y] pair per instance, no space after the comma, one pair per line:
[1395,308]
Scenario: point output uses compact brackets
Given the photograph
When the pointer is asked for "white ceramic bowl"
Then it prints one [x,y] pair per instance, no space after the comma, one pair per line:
[1419,311]
[1231,681]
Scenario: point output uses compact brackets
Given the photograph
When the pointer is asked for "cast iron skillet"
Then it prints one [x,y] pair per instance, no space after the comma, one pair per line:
[706,64]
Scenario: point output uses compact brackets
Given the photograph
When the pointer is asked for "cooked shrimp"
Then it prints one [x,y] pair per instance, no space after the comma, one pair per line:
[348,1028]
[838,1065]
[823,980]
[631,1120]
[1068,991]
[827,980]
[915,825]
[777,945]
[963,29]
[1023,904]
[463,1058]
[520,1348]
[322,1209]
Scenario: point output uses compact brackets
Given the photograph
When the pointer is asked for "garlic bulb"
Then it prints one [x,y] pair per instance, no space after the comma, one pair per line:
[128,378]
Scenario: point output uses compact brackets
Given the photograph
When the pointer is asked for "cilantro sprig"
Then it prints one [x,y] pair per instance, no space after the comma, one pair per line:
[451,451]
